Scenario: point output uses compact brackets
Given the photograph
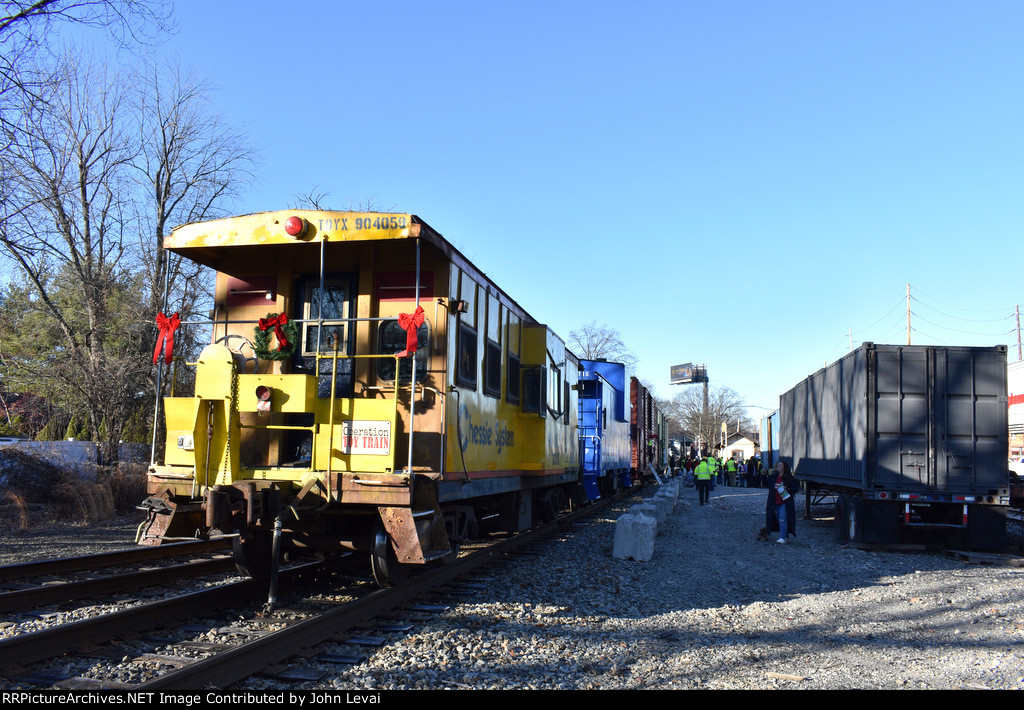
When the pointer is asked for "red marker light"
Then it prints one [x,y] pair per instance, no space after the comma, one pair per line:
[295,226]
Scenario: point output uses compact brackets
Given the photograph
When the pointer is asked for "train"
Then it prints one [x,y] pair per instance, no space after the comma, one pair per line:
[909,441]
[368,390]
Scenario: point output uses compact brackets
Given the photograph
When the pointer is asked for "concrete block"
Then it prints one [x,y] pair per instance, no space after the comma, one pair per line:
[634,537]
[671,488]
[665,504]
[647,507]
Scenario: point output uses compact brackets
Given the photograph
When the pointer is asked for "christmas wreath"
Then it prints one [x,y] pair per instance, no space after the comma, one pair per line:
[286,332]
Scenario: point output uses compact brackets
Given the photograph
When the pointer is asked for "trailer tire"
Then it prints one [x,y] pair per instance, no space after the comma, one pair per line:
[842,504]
[855,519]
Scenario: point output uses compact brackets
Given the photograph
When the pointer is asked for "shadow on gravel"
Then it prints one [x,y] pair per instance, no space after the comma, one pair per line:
[716,592]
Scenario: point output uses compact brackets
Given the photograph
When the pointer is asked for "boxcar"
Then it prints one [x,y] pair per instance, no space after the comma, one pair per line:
[647,431]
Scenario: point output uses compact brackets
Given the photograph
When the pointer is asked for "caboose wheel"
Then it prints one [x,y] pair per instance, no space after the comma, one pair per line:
[387,570]
[252,555]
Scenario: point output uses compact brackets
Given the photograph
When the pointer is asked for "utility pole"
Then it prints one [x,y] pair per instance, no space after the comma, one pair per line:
[692,374]
[908,314]
[1019,357]
[705,414]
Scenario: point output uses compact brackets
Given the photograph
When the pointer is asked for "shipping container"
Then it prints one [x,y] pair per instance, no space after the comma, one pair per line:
[911,440]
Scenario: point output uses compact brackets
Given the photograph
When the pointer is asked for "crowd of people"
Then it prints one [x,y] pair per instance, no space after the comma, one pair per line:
[730,472]
[705,472]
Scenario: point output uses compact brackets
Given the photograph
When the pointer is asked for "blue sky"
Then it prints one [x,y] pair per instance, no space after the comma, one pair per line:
[732,183]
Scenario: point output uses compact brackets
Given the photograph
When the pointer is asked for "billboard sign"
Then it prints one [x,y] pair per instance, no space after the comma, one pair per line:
[688,373]
[682,373]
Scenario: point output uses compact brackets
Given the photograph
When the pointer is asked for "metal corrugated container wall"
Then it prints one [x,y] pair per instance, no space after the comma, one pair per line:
[901,417]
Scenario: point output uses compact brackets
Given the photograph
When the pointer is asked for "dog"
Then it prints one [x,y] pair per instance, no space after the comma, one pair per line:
[763,535]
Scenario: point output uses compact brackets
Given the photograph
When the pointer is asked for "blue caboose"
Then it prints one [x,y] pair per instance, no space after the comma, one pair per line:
[603,427]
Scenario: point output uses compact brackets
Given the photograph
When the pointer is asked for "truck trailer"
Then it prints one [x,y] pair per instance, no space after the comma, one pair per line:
[911,441]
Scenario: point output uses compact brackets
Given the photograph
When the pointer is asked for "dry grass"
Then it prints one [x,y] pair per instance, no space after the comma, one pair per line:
[35,490]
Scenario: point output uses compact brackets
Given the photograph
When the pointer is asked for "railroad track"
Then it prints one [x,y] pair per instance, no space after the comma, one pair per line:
[131,556]
[265,638]
[18,595]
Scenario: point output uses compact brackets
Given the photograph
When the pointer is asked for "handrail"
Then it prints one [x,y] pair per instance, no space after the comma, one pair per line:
[334,356]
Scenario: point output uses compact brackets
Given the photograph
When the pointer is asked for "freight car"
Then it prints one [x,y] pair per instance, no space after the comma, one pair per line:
[367,389]
[911,441]
[647,431]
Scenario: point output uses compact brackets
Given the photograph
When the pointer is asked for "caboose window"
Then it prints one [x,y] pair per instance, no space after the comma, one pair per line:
[466,365]
[392,339]
[554,391]
[334,303]
[534,389]
[512,380]
[492,369]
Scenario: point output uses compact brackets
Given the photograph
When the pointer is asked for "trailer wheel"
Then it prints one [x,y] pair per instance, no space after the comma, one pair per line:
[842,504]
[855,520]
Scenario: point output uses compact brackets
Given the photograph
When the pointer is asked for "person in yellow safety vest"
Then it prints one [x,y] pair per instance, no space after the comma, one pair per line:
[730,472]
[702,477]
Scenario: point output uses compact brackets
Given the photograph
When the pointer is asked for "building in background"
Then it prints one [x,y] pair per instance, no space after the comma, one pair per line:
[1015,399]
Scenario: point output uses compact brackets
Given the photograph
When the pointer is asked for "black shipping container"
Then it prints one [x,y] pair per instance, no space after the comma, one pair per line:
[906,437]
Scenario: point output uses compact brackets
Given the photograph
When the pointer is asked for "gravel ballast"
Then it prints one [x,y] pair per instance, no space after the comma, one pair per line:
[714,608]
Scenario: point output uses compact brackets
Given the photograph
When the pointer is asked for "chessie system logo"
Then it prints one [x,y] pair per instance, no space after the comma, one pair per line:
[497,435]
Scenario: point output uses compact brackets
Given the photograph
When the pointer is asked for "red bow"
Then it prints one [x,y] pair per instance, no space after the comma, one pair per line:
[276,322]
[411,324]
[166,326]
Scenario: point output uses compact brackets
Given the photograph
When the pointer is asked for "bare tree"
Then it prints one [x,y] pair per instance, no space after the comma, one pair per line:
[28,18]
[312,200]
[704,423]
[90,160]
[593,341]
[69,165]
[26,28]
[190,164]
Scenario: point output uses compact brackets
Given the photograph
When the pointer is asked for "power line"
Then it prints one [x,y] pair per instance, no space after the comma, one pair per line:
[894,307]
[970,320]
[913,315]
[955,330]
[961,308]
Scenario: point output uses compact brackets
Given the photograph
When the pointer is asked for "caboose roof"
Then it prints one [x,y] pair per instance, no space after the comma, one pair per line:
[220,242]
[209,242]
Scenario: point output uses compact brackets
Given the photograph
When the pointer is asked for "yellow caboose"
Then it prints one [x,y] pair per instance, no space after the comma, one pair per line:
[366,389]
